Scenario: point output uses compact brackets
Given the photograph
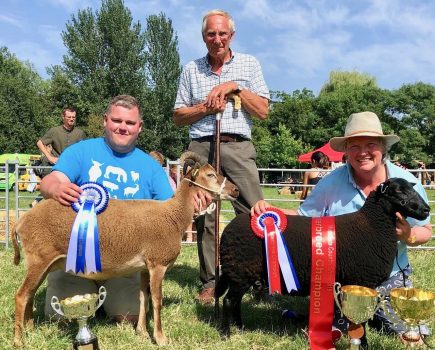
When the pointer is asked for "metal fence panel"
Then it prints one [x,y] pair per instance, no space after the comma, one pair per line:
[20,197]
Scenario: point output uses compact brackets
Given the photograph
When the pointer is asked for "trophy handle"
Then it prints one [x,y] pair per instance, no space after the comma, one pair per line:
[56,305]
[337,291]
[382,292]
[102,293]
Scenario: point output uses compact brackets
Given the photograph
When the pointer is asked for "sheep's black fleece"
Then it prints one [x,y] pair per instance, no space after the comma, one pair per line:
[365,240]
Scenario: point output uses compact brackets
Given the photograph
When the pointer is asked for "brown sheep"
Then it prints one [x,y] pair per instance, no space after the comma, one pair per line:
[135,235]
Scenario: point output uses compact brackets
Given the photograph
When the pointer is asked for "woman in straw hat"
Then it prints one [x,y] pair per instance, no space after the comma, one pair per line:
[346,189]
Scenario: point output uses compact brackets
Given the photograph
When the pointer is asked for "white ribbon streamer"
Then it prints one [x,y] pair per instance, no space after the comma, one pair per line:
[90,244]
[72,247]
[285,263]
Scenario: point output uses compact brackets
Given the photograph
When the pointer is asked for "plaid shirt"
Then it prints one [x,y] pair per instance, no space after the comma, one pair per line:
[197,80]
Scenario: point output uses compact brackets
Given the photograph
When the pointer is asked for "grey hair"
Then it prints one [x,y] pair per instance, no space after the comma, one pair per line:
[219,13]
[385,154]
[125,101]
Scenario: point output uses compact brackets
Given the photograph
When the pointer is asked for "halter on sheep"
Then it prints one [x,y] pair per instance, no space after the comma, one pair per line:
[150,246]
[365,240]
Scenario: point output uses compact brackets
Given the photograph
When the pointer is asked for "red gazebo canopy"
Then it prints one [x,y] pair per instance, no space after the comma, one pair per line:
[333,156]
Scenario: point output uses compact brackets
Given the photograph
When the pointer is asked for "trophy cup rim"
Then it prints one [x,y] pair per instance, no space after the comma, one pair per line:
[357,303]
[360,290]
[398,292]
[414,306]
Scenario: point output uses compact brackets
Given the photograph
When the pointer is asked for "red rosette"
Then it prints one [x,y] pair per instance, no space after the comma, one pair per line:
[258,221]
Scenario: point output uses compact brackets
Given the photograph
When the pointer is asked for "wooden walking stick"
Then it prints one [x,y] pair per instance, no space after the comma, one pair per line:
[217,157]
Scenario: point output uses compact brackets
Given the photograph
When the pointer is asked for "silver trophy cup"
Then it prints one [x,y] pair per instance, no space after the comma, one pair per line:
[81,307]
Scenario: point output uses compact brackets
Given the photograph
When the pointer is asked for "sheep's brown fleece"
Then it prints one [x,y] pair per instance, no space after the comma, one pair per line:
[365,240]
[135,235]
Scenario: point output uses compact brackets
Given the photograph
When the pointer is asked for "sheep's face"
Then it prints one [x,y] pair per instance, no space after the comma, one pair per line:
[401,195]
[206,178]
[214,183]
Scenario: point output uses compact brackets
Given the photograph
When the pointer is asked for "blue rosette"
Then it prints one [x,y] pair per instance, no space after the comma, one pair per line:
[84,247]
[93,192]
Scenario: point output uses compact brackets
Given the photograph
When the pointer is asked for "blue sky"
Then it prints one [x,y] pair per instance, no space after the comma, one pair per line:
[297,42]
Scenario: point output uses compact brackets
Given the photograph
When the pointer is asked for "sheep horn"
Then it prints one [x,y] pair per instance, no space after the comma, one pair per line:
[189,160]
[189,155]
[187,166]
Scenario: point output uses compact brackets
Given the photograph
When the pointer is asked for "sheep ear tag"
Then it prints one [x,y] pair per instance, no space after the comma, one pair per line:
[269,225]
[84,246]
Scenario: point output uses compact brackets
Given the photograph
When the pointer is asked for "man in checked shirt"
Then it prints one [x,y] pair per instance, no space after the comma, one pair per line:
[205,89]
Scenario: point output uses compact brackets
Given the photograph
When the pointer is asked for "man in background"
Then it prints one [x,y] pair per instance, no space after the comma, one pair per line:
[60,137]
[56,140]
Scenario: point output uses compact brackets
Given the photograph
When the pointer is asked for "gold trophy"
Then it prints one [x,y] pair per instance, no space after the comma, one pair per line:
[81,307]
[414,307]
[358,304]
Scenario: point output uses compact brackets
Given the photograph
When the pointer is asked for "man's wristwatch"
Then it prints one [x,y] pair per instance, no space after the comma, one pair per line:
[238,90]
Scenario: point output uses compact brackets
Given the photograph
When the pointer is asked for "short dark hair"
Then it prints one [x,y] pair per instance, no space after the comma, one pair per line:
[68,109]
[125,101]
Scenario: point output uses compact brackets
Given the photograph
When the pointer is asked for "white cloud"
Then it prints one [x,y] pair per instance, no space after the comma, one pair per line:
[298,42]
[11,20]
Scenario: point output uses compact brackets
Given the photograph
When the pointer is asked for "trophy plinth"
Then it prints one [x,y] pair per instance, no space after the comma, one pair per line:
[413,307]
[358,304]
[81,307]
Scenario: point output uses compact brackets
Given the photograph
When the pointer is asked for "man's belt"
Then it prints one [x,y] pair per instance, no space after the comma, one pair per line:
[223,137]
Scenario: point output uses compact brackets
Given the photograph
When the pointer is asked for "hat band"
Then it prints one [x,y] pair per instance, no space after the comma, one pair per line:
[364,131]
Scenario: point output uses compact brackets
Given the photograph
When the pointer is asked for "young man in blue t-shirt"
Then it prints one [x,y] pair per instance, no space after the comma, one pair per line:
[127,173]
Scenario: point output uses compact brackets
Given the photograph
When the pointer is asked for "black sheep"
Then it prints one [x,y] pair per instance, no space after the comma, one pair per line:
[365,240]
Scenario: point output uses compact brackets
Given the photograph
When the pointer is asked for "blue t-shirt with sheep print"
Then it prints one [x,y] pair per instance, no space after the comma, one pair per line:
[337,194]
[133,175]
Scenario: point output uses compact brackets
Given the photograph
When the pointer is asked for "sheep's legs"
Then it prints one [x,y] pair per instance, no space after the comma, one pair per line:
[24,299]
[28,313]
[144,303]
[232,309]
[156,277]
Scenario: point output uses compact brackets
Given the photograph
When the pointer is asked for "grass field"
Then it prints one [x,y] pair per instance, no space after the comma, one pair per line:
[187,324]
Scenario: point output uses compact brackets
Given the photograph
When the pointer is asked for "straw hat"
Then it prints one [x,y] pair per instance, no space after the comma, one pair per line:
[363,124]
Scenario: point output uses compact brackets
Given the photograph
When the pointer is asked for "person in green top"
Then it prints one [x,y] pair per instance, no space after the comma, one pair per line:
[55,140]
[60,137]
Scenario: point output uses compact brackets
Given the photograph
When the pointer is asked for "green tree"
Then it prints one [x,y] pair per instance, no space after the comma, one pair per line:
[286,149]
[262,139]
[411,147]
[61,92]
[413,105]
[296,112]
[162,72]
[339,79]
[105,56]
[334,107]
[22,106]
